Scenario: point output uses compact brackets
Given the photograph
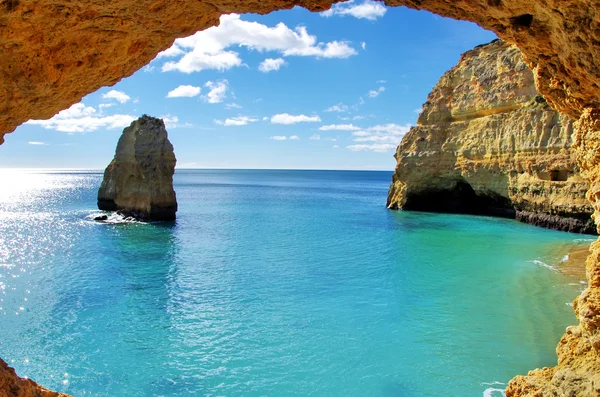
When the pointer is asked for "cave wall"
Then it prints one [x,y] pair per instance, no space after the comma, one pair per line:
[55,52]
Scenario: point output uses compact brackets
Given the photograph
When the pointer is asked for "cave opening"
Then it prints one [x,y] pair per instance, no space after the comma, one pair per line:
[461,198]
[524,20]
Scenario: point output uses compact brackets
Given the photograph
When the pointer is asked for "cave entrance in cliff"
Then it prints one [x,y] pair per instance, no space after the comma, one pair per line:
[524,21]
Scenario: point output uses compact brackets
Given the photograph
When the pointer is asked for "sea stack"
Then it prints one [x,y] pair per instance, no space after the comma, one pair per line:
[487,143]
[139,180]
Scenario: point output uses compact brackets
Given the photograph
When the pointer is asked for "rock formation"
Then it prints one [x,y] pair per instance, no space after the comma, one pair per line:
[55,52]
[488,143]
[13,386]
[139,180]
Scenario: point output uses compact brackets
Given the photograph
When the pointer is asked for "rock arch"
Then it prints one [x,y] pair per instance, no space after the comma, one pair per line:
[55,52]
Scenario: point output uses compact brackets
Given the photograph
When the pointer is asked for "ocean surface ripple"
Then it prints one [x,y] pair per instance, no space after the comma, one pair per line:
[272,283]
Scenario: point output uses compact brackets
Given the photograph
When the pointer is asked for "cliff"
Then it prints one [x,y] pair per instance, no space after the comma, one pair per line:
[139,180]
[488,143]
[13,386]
[55,52]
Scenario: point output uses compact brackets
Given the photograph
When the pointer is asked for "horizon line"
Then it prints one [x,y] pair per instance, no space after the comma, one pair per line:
[196,168]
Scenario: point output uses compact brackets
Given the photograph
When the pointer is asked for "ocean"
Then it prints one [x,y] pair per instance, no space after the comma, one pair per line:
[273,283]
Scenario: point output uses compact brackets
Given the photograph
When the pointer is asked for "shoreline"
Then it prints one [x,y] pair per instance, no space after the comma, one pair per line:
[573,262]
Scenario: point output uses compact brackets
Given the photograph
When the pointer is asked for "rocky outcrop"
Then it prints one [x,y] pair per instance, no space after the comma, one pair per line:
[139,180]
[13,386]
[488,143]
[55,52]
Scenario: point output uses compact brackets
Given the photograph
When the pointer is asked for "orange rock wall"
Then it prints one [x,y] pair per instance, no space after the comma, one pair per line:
[54,52]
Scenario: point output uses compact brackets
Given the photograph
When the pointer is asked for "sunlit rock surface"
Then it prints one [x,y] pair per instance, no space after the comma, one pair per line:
[488,143]
[139,180]
[55,52]
[13,386]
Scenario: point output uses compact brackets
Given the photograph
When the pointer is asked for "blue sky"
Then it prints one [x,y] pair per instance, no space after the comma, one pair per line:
[291,89]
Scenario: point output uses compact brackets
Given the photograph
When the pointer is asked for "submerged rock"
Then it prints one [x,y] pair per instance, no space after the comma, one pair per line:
[139,180]
[487,143]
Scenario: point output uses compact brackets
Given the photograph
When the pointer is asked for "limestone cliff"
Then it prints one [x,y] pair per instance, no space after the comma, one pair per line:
[487,143]
[139,180]
[55,52]
[13,386]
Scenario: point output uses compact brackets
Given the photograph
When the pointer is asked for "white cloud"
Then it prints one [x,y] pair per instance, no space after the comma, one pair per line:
[236,121]
[340,107]
[196,62]
[285,118]
[368,9]
[119,96]
[379,138]
[358,118]
[315,137]
[208,49]
[375,93]
[376,147]
[285,138]
[36,143]
[335,146]
[232,105]
[186,91]
[363,45]
[265,118]
[218,91]
[339,127]
[103,106]
[381,81]
[271,65]
[81,118]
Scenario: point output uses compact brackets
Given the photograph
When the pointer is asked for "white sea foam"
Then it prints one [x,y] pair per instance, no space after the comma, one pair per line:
[584,240]
[565,258]
[492,392]
[114,218]
[542,264]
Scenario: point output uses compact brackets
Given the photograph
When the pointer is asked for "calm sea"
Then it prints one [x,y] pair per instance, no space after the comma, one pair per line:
[272,283]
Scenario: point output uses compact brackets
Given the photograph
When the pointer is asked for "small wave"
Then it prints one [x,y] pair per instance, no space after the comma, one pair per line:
[542,264]
[492,392]
[113,218]
[565,258]
[494,383]
[584,240]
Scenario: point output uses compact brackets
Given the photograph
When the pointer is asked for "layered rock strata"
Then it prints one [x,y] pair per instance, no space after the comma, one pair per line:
[487,143]
[55,52]
[139,180]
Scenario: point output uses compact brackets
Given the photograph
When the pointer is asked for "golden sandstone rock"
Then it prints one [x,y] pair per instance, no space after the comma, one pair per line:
[55,52]
[13,386]
[138,182]
[488,143]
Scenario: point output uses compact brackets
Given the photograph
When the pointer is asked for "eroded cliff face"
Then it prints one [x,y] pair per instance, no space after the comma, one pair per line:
[55,52]
[488,143]
[13,386]
[139,180]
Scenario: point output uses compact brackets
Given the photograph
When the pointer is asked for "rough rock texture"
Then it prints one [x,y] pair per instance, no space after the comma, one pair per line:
[13,386]
[55,52]
[139,180]
[488,143]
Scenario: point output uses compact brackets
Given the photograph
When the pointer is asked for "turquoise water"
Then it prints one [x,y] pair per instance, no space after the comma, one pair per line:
[272,283]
